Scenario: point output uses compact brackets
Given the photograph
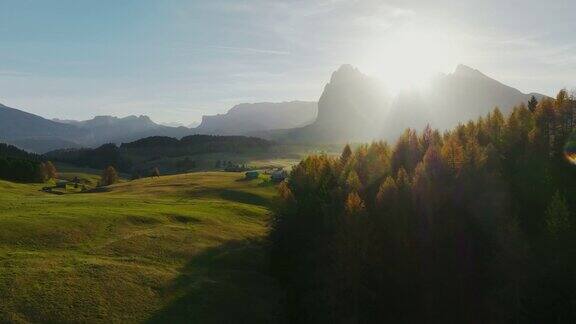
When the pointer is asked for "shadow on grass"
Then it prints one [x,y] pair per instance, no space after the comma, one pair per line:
[226,284]
[244,197]
[98,190]
[232,195]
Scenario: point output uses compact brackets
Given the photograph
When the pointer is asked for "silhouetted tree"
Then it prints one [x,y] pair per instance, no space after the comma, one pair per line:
[532,104]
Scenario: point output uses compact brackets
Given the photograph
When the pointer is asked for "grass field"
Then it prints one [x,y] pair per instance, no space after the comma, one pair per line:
[185,248]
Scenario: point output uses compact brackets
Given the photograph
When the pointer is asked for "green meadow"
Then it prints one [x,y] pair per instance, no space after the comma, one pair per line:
[183,248]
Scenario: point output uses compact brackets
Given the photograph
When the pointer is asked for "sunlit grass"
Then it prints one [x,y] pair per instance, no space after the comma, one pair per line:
[169,248]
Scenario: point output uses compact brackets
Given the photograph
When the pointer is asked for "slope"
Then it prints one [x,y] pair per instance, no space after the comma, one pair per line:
[171,249]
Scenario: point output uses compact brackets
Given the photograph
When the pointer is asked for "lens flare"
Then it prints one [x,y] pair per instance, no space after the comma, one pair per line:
[570,149]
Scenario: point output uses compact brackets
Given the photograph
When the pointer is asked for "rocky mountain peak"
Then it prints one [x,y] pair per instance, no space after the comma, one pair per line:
[466,71]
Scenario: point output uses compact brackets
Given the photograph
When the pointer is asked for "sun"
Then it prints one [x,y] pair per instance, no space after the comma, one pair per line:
[409,58]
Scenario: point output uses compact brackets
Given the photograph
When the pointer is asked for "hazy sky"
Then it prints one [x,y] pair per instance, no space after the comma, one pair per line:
[179,60]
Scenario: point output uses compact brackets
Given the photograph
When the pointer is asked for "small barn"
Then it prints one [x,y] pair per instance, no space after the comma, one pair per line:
[252,175]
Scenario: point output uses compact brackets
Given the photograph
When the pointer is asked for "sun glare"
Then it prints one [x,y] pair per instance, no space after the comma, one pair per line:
[410,58]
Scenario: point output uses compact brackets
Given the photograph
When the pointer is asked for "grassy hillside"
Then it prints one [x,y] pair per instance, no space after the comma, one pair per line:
[176,248]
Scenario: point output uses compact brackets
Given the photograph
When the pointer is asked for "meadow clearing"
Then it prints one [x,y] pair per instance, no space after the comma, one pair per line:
[183,248]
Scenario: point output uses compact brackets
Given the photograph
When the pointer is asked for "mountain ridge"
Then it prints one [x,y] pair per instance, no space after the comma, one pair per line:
[352,109]
[246,118]
[37,134]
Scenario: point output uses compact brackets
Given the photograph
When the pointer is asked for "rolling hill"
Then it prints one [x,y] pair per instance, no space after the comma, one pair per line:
[171,249]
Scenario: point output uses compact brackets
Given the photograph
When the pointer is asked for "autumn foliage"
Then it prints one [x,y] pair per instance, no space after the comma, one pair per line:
[472,225]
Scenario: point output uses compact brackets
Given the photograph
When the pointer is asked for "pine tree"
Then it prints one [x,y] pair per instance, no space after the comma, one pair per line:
[346,154]
[387,193]
[453,153]
[532,104]
[353,183]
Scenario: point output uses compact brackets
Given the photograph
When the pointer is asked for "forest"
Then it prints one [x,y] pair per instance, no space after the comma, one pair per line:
[128,156]
[475,224]
[19,165]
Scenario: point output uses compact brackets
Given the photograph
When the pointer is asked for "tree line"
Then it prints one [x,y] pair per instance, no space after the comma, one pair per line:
[130,157]
[475,224]
[20,166]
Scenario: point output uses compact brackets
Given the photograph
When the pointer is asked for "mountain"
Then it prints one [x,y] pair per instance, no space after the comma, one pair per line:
[109,129]
[251,118]
[350,108]
[34,133]
[451,99]
[354,107]
[193,124]
[37,134]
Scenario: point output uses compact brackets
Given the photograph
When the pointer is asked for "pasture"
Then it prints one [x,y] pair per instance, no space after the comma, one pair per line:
[183,248]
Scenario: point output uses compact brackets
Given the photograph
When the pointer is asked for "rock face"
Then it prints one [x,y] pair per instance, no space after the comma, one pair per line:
[351,108]
[256,117]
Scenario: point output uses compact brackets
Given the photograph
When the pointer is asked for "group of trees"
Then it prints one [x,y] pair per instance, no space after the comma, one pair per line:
[97,158]
[19,170]
[472,225]
[156,146]
[21,166]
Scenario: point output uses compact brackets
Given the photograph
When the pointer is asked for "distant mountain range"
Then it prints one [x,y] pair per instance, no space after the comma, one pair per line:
[34,133]
[251,118]
[354,107]
[108,129]
[37,134]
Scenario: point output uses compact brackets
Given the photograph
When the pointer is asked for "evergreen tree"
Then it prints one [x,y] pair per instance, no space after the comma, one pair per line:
[346,154]
[532,104]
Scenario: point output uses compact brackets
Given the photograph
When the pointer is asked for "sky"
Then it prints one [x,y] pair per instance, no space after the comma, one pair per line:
[178,60]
